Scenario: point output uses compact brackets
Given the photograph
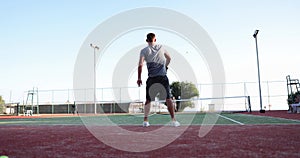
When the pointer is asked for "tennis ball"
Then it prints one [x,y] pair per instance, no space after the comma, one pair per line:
[3,156]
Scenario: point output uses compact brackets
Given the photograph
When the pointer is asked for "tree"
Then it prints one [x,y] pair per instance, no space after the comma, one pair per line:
[1,100]
[183,90]
[2,105]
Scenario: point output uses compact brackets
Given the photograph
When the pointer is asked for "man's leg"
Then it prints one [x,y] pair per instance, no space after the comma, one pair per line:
[147,110]
[149,83]
[171,109]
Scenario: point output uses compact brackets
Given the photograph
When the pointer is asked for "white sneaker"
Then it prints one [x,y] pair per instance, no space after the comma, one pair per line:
[146,124]
[175,123]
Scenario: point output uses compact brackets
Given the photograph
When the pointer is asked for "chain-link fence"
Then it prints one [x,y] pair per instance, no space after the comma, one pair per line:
[274,97]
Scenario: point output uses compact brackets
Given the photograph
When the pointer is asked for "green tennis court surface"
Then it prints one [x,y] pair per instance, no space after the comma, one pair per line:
[233,135]
[155,119]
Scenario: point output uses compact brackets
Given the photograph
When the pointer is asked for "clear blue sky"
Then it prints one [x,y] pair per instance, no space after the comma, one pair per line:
[40,39]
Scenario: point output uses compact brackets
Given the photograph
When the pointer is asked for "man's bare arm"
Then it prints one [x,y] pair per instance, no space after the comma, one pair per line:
[168,58]
[140,68]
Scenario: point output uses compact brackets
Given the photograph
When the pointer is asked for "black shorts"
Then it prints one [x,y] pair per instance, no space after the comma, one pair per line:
[157,87]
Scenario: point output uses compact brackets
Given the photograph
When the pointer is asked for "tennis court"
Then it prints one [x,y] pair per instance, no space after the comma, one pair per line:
[230,135]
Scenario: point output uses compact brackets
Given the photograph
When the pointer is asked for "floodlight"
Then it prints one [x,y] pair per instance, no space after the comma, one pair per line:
[255,33]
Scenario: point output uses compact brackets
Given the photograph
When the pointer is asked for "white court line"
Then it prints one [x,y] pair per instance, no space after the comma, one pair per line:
[231,120]
[273,117]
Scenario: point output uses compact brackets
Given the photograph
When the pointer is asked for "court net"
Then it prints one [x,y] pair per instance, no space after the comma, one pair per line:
[221,104]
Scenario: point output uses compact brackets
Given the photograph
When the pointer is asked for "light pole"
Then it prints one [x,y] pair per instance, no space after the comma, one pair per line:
[260,98]
[95,48]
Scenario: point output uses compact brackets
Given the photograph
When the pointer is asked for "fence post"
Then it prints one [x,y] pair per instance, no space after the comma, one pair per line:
[52,106]
[269,104]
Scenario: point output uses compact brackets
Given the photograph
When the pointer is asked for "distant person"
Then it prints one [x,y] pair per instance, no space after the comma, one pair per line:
[293,107]
[157,59]
[297,99]
[74,109]
[174,104]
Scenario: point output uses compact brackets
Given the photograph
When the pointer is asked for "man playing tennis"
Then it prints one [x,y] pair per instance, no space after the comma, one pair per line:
[157,59]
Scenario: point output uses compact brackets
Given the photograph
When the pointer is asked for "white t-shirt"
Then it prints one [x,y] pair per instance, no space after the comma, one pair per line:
[155,58]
